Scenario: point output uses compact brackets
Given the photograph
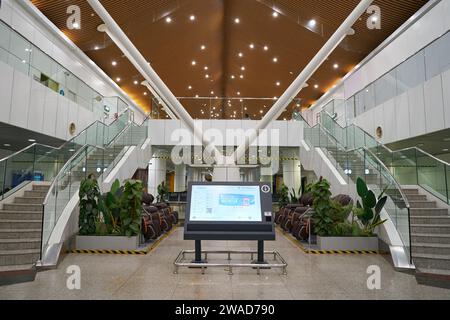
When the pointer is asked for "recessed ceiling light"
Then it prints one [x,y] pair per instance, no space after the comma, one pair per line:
[238,93]
[192,18]
[194,62]
[190,87]
[275,59]
[240,54]
[114,63]
[275,98]
[243,68]
[241,76]
[316,86]
[145,93]
[212,92]
[237,20]
[168,19]
[136,82]
[275,14]
[206,68]
[312,23]
[266,48]
[118,79]
[7,145]
[335,66]
[207,76]
[252,46]
[278,83]
[232,76]
[31,140]
[203,47]
[96,47]
[196,95]
[445,150]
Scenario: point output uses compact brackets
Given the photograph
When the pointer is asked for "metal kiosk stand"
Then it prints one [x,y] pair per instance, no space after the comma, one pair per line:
[250,217]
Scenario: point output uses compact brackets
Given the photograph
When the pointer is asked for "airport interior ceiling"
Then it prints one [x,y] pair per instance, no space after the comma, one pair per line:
[229,48]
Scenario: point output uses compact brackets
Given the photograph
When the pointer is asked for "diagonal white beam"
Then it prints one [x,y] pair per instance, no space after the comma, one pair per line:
[159,99]
[141,64]
[304,76]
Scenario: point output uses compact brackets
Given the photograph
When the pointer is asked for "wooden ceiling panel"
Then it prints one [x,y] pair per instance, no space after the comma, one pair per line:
[172,47]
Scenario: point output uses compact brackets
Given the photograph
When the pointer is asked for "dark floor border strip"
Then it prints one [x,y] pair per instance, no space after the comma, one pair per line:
[299,245]
[150,248]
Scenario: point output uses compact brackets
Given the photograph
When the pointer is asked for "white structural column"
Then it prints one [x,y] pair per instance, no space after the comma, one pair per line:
[304,76]
[156,174]
[292,171]
[180,178]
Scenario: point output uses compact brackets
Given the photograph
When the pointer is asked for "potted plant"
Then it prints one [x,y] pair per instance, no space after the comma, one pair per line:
[283,196]
[163,191]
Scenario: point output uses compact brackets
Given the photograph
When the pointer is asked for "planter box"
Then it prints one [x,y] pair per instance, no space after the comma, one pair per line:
[106,243]
[348,243]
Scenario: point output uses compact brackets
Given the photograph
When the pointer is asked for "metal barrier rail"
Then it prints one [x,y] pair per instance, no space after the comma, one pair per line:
[181,258]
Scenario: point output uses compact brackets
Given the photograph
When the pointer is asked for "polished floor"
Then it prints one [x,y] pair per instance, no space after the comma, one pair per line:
[151,277]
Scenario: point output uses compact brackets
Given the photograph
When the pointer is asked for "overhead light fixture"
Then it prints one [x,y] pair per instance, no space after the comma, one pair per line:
[275,59]
[168,19]
[252,46]
[196,95]
[266,48]
[190,87]
[232,76]
[238,93]
[118,79]
[445,150]
[203,47]
[240,54]
[7,145]
[316,86]
[207,76]
[275,14]
[241,76]
[212,92]
[335,66]
[192,18]
[145,93]
[206,68]
[237,20]
[278,83]
[114,63]
[312,23]
[136,82]
[31,140]
[243,68]
[96,47]
[194,62]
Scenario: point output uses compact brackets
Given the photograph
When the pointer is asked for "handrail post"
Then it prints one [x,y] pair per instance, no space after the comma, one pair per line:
[446,183]
[34,163]
[4,180]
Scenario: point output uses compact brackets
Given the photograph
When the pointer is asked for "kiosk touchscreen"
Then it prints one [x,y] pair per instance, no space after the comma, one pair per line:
[229,211]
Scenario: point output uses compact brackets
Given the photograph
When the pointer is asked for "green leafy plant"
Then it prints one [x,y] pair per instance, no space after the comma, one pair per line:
[110,206]
[323,223]
[89,219]
[163,191]
[131,207]
[369,208]
[283,195]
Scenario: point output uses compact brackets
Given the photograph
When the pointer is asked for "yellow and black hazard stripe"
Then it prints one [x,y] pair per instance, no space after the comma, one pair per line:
[126,252]
[299,245]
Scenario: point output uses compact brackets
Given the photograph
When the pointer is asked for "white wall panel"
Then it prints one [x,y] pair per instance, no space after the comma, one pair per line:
[417,116]
[85,118]
[378,118]
[62,127]
[6,83]
[389,114]
[20,99]
[446,97]
[51,106]
[37,106]
[434,104]
[402,123]
[156,132]
[170,127]
[6,12]
[20,24]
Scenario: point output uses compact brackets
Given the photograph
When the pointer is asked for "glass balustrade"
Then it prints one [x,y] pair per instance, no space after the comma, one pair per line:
[411,166]
[95,160]
[39,162]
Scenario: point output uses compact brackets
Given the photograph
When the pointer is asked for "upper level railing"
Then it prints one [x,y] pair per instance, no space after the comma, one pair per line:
[411,166]
[39,162]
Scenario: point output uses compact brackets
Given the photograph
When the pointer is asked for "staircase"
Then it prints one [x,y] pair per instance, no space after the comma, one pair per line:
[430,234]
[20,230]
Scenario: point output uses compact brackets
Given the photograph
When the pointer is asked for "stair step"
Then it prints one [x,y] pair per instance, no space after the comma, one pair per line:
[20,233]
[22,207]
[29,200]
[422,204]
[430,228]
[19,257]
[416,197]
[430,238]
[16,267]
[440,272]
[429,211]
[431,248]
[20,224]
[416,219]
[20,215]
[410,191]
[20,244]
[432,261]
[34,193]
[41,188]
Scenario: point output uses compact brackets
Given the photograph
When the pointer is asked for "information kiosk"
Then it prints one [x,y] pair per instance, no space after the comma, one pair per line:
[229,211]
